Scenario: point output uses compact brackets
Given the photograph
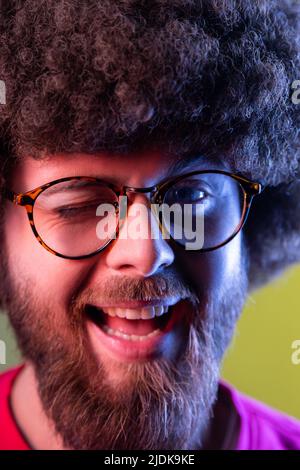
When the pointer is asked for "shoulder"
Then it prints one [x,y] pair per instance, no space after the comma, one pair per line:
[7,379]
[10,437]
[262,427]
[9,373]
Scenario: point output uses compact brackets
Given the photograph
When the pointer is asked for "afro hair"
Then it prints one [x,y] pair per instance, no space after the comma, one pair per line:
[211,77]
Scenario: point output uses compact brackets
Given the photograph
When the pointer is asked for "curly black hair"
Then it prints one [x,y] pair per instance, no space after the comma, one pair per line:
[211,77]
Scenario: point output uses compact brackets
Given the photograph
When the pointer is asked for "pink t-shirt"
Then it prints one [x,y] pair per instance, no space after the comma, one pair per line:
[261,427]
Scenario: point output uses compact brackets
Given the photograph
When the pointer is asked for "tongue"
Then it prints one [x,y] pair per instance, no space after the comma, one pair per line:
[132,327]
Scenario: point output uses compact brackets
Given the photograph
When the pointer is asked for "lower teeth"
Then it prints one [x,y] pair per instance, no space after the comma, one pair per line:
[112,332]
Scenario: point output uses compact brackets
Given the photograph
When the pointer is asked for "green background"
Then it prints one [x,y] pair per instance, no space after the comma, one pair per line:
[259,359]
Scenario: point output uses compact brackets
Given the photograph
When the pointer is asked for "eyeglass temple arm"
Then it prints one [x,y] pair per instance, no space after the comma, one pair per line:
[15,198]
[257,188]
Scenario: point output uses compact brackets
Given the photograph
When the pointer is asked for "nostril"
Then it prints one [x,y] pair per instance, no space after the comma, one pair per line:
[126,266]
[164,265]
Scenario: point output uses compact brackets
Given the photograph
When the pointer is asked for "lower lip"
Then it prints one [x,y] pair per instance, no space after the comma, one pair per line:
[125,350]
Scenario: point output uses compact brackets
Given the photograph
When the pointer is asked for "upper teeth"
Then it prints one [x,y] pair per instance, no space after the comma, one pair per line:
[144,313]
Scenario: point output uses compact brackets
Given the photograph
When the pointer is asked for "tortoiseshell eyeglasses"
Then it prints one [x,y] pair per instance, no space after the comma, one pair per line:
[65,214]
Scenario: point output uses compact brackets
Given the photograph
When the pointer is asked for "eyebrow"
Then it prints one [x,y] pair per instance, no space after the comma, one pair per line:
[188,161]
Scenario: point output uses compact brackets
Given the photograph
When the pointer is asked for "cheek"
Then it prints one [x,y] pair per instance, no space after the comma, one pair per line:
[208,271]
[51,277]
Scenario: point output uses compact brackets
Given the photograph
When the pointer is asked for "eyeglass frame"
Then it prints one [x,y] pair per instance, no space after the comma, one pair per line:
[158,192]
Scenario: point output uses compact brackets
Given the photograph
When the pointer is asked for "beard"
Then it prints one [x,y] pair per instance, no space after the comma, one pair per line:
[154,405]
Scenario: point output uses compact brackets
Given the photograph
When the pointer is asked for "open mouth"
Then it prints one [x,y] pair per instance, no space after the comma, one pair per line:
[131,324]
[134,331]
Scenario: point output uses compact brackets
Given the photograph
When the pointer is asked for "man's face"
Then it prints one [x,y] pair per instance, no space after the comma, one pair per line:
[104,391]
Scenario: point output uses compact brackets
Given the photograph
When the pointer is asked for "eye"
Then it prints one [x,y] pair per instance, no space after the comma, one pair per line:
[190,193]
[67,212]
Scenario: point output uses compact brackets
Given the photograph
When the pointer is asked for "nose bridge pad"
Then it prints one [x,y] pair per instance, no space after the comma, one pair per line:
[124,204]
[158,210]
[156,213]
[122,211]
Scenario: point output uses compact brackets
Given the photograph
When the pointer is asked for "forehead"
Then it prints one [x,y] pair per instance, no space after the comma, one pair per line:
[139,169]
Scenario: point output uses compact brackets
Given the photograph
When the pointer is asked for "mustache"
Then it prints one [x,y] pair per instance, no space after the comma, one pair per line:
[161,287]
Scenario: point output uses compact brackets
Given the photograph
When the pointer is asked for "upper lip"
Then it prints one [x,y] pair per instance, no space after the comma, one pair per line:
[138,303]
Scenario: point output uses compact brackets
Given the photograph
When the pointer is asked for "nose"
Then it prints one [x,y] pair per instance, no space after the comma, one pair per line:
[139,249]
